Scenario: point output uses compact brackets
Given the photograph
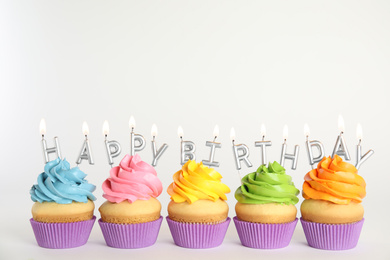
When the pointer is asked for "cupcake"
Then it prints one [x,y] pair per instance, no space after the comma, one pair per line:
[198,213]
[63,209]
[266,212]
[131,216]
[332,214]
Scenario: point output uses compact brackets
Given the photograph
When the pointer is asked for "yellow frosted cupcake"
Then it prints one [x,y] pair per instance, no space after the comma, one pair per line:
[198,213]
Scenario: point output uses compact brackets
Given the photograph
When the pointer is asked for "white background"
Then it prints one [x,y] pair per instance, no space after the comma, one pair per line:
[196,64]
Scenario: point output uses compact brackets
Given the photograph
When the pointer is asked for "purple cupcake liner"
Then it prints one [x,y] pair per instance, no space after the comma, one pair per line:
[62,235]
[130,235]
[196,235]
[265,236]
[332,236]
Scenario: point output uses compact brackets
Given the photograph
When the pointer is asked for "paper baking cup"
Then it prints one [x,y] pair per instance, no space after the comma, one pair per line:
[62,235]
[264,236]
[332,236]
[130,235]
[196,235]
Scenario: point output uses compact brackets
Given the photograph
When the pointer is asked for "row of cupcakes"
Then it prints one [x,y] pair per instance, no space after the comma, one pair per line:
[332,214]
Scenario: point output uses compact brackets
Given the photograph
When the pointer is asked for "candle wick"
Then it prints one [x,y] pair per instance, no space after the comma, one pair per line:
[360,141]
[43,136]
[263,137]
[285,140]
[154,137]
[215,137]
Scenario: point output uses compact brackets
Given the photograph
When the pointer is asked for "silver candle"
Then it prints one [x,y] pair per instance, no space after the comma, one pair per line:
[156,153]
[237,148]
[359,158]
[285,155]
[187,148]
[309,148]
[113,148]
[135,138]
[85,152]
[210,162]
[46,150]
[340,147]
[263,144]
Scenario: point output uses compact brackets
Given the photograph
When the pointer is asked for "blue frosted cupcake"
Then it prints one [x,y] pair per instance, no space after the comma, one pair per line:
[63,209]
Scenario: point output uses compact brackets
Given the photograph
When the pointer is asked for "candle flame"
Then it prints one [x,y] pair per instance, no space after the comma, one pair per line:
[359,132]
[154,130]
[132,123]
[263,130]
[232,135]
[306,130]
[216,131]
[285,132]
[42,126]
[106,128]
[85,128]
[341,124]
[180,132]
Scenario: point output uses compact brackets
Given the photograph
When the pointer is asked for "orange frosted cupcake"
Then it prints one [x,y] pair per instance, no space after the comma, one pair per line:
[332,214]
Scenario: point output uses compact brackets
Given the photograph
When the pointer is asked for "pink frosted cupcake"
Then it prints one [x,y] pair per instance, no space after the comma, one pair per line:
[131,216]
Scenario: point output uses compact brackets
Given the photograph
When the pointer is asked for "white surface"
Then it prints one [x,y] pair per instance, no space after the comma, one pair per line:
[196,64]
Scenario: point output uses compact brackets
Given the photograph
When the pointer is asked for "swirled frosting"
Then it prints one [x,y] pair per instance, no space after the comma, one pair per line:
[132,180]
[197,182]
[267,185]
[61,184]
[334,180]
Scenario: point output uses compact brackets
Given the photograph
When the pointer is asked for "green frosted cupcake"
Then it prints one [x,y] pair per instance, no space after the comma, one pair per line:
[266,212]
[267,196]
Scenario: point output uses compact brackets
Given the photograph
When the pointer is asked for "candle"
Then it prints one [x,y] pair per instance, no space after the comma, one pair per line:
[285,155]
[135,138]
[210,162]
[113,148]
[239,148]
[310,145]
[341,148]
[187,148]
[359,158]
[156,153]
[263,144]
[86,152]
[46,150]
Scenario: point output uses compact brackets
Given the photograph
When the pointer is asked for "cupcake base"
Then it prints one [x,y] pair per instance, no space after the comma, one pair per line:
[62,235]
[197,235]
[130,235]
[332,236]
[265,236]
